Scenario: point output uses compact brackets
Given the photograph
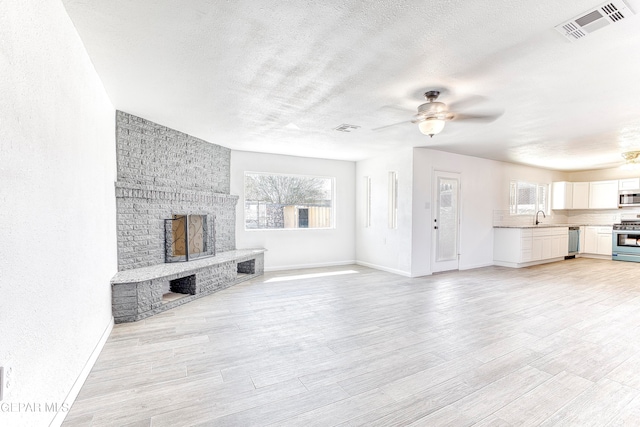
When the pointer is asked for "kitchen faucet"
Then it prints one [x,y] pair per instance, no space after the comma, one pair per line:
[543,215]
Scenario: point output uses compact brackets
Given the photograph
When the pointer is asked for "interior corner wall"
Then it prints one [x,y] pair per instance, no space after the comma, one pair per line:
[480,189]
[299,248]
[484,189]
[407,250]
[378,245]
[57,168]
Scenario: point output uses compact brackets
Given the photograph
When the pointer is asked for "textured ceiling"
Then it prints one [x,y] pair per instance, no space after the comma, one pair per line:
[278,77]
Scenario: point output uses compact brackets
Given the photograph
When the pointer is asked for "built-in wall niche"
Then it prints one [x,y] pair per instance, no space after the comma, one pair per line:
[179,288]
[189,236]
[246,267]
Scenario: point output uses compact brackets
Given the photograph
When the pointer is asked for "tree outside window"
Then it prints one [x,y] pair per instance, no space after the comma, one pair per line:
[279,201]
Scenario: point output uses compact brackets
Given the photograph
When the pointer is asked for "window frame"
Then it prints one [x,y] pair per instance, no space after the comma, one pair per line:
[392,200]
[513,208]
[333,209]
[367,202]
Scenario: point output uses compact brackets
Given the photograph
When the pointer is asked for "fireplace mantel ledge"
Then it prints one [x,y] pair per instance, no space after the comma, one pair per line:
[134,190]
[151,272]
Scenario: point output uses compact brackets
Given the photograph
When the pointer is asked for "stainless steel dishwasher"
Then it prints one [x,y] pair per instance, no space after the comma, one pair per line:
[574,241]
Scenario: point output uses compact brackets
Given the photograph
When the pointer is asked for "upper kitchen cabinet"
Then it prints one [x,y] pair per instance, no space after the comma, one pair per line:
[581,195]
[562,195]
[629,184]
[603,194]
[588,195]
[570,195]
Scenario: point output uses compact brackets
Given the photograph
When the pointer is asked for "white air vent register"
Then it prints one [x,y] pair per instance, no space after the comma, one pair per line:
[594,19]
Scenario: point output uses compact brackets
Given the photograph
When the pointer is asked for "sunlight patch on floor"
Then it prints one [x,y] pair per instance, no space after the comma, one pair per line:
[309,276]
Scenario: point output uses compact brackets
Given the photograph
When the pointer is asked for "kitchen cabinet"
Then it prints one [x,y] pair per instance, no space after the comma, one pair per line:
[590,195]
[560,243]
[580,196]
[512,245]
[590,240]
[597,240]
[629,184]
[562,195]
[603,195]
[605,244]
[519,247]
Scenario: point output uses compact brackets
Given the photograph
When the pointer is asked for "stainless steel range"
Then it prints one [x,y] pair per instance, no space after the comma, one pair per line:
[626,239]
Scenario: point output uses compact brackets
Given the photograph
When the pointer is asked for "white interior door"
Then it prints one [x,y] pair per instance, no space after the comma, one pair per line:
[445,221]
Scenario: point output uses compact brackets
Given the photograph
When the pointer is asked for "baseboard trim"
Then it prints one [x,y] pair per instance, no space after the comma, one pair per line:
[593,256]
[471,267]
[526,264]
[387,269]
[77,385]
[301,266]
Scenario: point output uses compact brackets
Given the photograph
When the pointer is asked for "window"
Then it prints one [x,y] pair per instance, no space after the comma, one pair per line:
[279,201]
[527,198]
[393,200]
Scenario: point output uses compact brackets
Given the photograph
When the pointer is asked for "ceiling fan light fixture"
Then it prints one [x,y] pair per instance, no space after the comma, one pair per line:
[431,126]
[632,160]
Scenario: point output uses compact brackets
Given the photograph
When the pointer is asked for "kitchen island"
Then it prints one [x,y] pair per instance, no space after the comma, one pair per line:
[525,245]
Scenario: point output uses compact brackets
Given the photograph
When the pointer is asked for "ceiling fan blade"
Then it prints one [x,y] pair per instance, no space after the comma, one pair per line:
[467,102]
[476,117]
[396,109]
[388,126]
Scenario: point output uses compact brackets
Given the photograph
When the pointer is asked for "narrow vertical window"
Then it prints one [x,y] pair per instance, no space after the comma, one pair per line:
[367,201]
[393,200]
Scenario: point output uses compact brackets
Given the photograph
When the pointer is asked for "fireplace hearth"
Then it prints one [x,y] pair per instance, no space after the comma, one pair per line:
[176,221]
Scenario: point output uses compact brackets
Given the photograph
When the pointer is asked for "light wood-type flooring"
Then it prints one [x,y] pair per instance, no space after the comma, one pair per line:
[550,345]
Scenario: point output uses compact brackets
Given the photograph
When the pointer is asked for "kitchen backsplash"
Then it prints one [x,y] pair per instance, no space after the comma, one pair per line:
[585,217]
[502,218]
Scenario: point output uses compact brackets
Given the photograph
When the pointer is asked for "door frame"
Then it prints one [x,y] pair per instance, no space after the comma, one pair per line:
[448,265]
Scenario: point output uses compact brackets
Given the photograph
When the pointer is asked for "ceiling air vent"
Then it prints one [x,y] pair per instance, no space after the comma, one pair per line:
[346,128]
[592,20]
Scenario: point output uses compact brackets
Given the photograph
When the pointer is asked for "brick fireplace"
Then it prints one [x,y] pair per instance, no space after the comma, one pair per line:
[169,181]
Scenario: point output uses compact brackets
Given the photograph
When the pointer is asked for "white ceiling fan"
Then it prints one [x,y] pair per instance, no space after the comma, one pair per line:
[433,114]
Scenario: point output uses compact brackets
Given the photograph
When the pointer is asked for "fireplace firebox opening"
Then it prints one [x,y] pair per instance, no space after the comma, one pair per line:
[189,237]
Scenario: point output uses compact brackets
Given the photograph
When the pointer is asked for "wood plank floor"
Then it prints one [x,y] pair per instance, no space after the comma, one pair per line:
[556,344]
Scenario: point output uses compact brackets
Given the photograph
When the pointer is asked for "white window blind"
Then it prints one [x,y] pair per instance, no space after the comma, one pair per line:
[526,198]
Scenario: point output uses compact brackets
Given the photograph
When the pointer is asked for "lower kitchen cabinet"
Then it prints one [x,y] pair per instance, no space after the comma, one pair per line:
[597,241]
[520,247]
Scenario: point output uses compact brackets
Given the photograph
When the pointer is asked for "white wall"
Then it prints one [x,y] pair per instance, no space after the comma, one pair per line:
[602,175]
[484,189]
[57,226]
[480,195]
[379,246]
[287,249]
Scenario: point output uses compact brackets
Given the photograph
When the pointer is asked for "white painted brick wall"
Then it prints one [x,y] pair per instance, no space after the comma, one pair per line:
[162,172]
